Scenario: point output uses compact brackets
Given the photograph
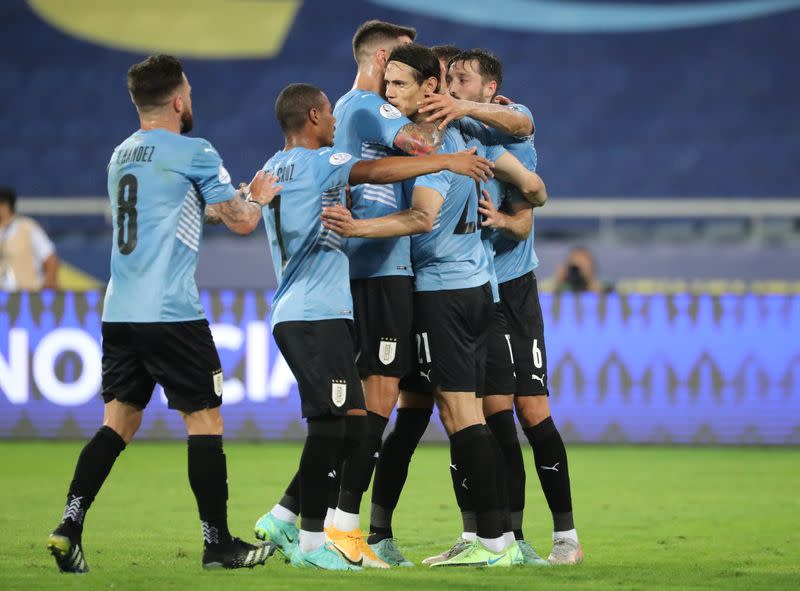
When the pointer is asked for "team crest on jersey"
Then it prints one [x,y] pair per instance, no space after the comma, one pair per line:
[217,375]
[339,158]
[223,175]
[338,392]
[390,111]
[387,350]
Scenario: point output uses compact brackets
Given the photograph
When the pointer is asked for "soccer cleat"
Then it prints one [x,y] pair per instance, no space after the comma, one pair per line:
[283,534]
[477,555]
[326,557]
[388,551]
[565,551]
[236,553]
[447,554]
[529,555]
[353,547]
[68,554]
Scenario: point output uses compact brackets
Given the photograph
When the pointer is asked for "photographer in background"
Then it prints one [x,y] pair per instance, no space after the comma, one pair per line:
[28,259]
[579,273]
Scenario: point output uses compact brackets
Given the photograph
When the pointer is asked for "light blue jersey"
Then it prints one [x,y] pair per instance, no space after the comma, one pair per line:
[310,265]
[366,126]
[512,258]
[159,183]
[451,256]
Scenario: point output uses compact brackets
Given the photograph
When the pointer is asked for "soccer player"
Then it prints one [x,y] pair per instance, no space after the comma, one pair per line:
[368,127]
[452,301]
[476,76]
[154,328]
[312,310]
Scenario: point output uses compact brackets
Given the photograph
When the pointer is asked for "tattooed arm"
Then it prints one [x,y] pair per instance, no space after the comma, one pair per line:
[419,138]
[243,212]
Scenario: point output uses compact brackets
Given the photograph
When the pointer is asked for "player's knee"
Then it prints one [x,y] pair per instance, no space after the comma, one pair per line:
[495,404]
[532,410]
[123,419]
[204,422]
[381,393]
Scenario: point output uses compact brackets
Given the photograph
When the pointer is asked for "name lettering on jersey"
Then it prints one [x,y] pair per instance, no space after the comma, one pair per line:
[284,173]
[137,154]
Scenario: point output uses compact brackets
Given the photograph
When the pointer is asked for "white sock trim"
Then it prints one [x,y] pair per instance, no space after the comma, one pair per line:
[344,521]
[311,540]
[495,545]
[282,513]
[508,538]
[571,534]
[329,517]
[469,536]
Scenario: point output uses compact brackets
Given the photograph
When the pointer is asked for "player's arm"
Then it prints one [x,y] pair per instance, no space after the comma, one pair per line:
[418,219]
[516,224]
[242,213]
[510,170]
[418,139]
[393,169]
[500,117]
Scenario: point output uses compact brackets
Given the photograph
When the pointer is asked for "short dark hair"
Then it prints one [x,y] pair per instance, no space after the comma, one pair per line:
[378,30]
[420,58]
[489,65]
[9,195]
[446,52]
[293,104]
[152,81]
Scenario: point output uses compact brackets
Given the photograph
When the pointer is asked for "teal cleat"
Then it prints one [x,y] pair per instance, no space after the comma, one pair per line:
[476,554]
[388,551]
[529,555]
[283,534]
[325,558]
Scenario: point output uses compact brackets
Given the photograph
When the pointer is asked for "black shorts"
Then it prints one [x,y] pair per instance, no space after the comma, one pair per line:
[500,378]
[321,355]
[383,324]
[450,332]
[519,300]
[180,356]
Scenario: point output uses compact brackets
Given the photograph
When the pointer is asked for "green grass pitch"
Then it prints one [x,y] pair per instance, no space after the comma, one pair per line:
[648,518]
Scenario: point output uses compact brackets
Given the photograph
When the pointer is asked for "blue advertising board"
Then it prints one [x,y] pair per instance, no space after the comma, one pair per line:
[623,368]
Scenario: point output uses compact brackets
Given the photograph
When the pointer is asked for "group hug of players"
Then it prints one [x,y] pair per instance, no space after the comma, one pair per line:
[403,282]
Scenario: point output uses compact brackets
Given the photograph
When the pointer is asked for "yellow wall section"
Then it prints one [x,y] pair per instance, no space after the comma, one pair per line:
[207,29]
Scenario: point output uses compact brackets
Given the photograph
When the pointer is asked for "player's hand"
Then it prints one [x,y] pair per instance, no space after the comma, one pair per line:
[492,218]
[469,164]
[445,107]
[263,188]
[339,219]
[502,100]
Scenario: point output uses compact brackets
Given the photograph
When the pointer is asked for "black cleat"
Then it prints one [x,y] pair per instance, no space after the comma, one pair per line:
[236,554]
[68,553]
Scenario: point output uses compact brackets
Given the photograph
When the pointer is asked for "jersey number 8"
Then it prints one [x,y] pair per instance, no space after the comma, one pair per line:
[126,213]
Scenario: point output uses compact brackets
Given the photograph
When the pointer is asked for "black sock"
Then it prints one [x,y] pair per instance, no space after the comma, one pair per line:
[391,470]
[291,498]
[352,465]
[208,477]
[320,454]
[504,430]
[550,456]
[502,481]
[94,464]
[458,474]
[472,449]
